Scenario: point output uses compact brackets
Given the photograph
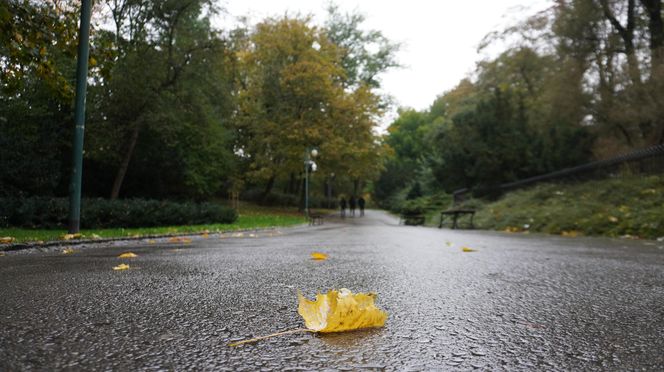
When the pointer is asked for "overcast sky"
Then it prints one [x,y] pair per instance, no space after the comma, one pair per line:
[439,37]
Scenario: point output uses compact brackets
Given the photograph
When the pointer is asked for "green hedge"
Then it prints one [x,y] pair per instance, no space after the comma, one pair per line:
[102,213]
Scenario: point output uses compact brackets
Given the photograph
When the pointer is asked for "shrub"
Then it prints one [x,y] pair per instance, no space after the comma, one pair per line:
[102,213]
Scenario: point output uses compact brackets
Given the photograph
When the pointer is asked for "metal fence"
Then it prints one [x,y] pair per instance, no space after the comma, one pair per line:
[645,161]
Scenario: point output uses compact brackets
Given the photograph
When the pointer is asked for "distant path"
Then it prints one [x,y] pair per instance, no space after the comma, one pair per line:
[518,302]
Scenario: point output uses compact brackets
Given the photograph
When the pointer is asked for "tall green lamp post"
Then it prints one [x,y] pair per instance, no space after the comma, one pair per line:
[79,118]
[308,164]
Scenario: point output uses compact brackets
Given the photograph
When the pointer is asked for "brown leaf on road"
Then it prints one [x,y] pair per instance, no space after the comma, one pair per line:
[177,239]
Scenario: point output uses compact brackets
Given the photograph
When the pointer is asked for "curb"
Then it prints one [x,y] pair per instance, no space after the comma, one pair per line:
[75,242]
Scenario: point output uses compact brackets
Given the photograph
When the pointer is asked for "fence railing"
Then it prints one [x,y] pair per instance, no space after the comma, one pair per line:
[644,161]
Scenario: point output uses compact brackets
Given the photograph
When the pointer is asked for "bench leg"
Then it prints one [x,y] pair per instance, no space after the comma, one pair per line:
[472,215]
[454,223]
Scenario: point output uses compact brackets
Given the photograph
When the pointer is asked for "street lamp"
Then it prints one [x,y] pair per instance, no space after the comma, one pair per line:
[308,163]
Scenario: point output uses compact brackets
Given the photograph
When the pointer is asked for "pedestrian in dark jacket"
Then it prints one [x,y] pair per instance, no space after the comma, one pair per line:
[360,203]
[342,206]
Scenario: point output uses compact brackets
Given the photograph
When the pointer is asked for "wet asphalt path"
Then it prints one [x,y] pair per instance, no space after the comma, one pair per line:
[520,302]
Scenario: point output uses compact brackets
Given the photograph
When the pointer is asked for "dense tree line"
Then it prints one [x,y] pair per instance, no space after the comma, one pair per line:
[581,80]
[177,108]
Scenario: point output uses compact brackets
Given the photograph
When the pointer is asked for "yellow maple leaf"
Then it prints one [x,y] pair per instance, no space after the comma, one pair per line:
[121,267]
[338,311]
[68,251]
[128,255]
[6,239]
[468,249]
[318,256]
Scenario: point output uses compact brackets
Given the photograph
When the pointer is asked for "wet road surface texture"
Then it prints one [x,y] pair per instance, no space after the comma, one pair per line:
[520,302]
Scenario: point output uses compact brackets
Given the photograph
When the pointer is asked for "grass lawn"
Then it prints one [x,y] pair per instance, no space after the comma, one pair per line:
[250,217]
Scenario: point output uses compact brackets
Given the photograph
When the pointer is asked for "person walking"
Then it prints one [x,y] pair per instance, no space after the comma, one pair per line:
[352,202]
[360,203]
[342,206]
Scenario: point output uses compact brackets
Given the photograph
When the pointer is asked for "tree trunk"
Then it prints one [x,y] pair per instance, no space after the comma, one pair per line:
[656,29]
[627,35]
[268,187]
[122,171]
[291,184]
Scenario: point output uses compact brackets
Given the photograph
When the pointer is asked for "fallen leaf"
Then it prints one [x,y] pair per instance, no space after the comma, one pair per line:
[338,311]
[205,235]
[238,235]
[6,239]
[152,241]
[449,244]
[121,267]
[253,235]
[468,249]
[95,236]
[128,255]
[177,239]
[2,254]
[335,311]
[613,219]
[511,229]
[570,234]
[68,251]
[319,256]
[71,236]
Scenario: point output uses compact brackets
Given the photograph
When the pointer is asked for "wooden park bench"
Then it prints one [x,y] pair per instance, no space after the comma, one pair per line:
[455,214]
[315,219]
[412,219]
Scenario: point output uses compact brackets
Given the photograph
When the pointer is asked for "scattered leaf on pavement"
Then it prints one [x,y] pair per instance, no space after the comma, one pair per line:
[335,311]
[205,235]
[121,267]
[68,251]
[449,244]
[318,256]
[6,239]
[177,239]
[2,254]
[152,241]
[95,236]
[338,311]
[468,249]
[128,255]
